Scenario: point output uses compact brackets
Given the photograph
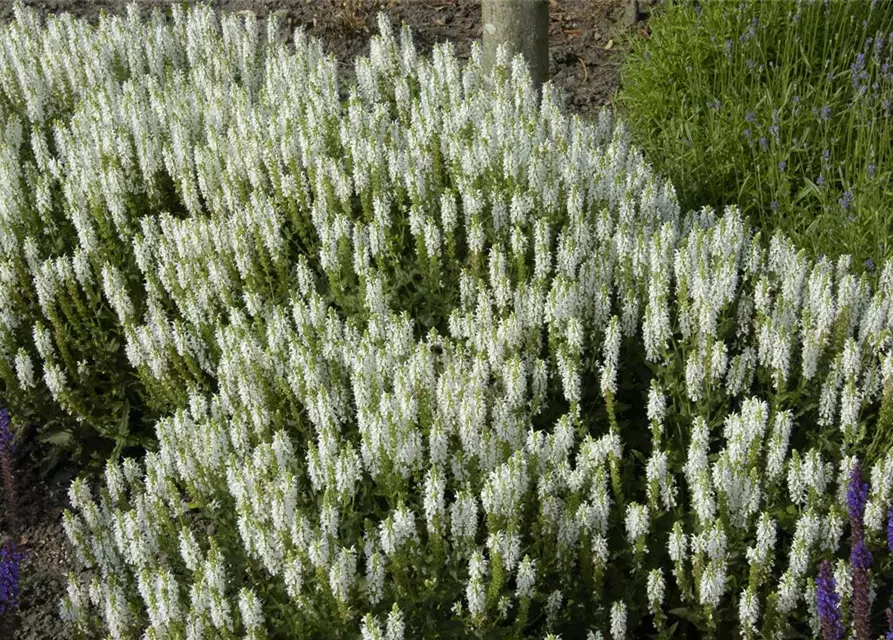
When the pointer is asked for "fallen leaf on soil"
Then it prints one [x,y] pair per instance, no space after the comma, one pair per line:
[572,32]
[610,44]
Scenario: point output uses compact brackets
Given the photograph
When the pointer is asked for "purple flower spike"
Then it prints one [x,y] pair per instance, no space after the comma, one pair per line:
[856,495]
[6,472]
[5,432]
[828,601]
[860,556]
[890,530]
[10,558]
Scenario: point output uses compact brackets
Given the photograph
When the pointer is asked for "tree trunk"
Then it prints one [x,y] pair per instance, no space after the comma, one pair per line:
[523,26]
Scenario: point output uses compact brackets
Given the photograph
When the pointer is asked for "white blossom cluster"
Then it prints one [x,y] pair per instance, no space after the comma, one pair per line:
[406,334]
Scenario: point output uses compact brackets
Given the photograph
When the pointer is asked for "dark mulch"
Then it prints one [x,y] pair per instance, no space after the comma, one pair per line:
[586,52]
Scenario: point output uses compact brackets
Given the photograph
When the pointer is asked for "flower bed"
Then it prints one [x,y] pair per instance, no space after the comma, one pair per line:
[431,360]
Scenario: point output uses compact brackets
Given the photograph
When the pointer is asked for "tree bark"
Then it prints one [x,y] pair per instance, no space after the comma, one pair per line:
[523,26]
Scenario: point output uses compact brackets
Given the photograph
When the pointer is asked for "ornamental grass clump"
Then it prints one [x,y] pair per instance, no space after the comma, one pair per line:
[783,108]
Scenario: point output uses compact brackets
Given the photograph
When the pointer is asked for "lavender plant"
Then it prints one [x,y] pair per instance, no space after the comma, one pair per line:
[782,108]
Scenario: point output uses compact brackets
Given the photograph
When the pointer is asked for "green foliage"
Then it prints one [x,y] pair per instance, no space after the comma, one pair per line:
[782,108]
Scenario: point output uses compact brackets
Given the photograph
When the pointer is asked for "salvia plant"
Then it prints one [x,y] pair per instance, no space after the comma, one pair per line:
[784,108]
[429,357]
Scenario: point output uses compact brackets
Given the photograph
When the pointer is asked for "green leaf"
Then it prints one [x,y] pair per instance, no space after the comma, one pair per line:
[62,439]
[691,615]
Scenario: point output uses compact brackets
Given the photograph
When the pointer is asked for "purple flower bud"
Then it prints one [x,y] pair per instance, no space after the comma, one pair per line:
[828,602]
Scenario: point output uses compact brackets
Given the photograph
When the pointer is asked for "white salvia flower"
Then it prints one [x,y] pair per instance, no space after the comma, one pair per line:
[74,605]
[293,575]
[595,635]
[342,574]
[809,596]
[655,590]
[43,340]
[788,592]
[875,516]
[600,552]
[611,350]
[526,578]
[828,397]
[660,480]
[375,575]
[434,500]
[189,549]
[370,628]
[749,610]
[507,546]
[24,370]
[553,604]
[395,627]
[464,517]
[694,375]
[816,473]
[761,553]
[116,293]
[713,541]
[847,463]
[636,522]
[250,609]
[782,424]
[832,531]
[657,403]
[713,583]
[55,380]
[396,530]
[850,404]
[843,579]
[618,620]
[851,364]
[476,594]
[678,544]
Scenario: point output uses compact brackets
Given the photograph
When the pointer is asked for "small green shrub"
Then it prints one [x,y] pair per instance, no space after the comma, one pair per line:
[783,108]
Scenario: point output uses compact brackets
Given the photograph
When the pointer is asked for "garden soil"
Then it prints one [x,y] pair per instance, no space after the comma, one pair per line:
[586,50]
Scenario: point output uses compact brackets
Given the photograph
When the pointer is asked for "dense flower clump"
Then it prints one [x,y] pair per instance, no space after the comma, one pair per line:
[433,358]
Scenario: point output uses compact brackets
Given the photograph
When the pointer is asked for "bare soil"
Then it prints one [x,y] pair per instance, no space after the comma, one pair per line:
[586,51]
